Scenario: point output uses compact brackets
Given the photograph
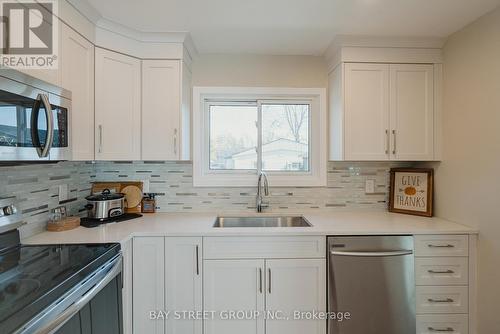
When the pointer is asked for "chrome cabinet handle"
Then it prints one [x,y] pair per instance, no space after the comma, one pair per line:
[394,142]
[447,300]
[372,254]
[260,280]
[269,272]
[447,329]
[100,138]
[197,260]
[175,141]
[440,271]
[387,141]
[440,246]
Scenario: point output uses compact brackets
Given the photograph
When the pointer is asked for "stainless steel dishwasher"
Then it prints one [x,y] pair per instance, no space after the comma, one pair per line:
[372,278]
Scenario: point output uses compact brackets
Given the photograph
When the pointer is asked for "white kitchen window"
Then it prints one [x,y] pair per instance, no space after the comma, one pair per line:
[239,132]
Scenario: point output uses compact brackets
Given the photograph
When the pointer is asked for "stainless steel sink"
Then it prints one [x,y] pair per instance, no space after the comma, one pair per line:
[268,221]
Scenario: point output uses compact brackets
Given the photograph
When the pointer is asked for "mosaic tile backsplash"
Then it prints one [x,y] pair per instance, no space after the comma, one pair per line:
[36,188]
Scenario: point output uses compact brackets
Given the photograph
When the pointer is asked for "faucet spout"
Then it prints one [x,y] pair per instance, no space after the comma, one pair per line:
[262,190]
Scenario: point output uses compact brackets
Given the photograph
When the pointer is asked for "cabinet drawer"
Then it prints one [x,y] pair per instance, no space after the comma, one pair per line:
[263,247]
[442,270]
[452,323]
[441,245]
[442,299]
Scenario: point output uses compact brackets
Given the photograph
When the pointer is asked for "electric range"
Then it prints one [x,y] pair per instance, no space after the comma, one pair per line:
[34,280]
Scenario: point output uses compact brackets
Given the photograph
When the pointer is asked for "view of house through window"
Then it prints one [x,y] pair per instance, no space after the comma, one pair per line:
[234,136]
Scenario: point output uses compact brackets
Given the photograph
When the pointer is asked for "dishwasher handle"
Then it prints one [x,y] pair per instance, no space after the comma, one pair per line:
[372,254]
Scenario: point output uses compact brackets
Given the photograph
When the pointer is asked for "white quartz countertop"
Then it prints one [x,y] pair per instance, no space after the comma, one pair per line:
[191,224]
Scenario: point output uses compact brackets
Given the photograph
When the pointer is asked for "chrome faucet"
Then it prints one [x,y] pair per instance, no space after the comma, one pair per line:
[261,204]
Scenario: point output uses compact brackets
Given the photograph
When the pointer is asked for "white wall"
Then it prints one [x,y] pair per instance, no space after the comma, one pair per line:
[468,179]
[260,71]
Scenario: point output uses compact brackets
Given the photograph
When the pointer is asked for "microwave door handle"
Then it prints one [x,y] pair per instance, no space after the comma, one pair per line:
[50,125]
[42,151]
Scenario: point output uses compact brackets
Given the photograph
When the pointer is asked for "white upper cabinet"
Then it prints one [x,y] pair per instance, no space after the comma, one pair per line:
[383,112]
[161,109]
[77,70]
[366,111]
[412,112]
[117,106]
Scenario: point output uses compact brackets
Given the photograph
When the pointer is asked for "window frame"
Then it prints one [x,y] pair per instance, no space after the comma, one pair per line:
[203,97]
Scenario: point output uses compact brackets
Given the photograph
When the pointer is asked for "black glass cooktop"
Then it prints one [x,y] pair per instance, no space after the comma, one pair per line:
[33,277]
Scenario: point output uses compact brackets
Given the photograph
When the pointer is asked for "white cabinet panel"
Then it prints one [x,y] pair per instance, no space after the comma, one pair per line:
[450,323]
[442,270]
[183,283]
[366,111]
[295,285]
[161,109]
[264,247]
[441,245]
[412,112]
[127,252]
[442,299]
[77,70]
[148,283]
[117,106]
[233,285]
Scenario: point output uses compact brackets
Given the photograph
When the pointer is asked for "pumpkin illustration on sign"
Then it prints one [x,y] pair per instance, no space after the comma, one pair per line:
[411,194]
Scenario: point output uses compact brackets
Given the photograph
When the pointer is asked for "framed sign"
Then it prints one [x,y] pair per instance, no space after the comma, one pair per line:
[412,191]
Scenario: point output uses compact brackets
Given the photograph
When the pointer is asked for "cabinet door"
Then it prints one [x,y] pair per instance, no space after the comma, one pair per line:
[117,106]
[366,111]
[77,69]
[233,285]
[412,112]
[148,283]
[296,285]
[161,109]
[183,283]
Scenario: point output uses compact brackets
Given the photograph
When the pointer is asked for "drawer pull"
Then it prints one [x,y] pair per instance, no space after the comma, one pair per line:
[447,329]
[447,300]
[440,271]
[440,246]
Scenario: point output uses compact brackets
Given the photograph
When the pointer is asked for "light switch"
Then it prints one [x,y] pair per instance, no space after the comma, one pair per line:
[63,192]
[369,186]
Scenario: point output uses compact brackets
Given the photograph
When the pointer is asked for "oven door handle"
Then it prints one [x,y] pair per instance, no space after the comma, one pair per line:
[373,254]
[52,325]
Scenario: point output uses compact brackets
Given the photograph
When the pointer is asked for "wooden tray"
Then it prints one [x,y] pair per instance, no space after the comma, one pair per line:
[65,224]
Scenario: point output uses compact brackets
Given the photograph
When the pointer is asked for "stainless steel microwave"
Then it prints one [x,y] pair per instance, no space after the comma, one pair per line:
[35,119]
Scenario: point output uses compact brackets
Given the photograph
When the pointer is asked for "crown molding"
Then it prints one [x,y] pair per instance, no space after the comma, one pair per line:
[105,26]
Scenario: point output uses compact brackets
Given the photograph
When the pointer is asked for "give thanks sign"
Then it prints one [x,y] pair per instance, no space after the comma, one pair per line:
[411,191]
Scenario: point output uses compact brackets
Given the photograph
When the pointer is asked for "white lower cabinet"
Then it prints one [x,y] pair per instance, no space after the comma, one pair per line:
[233,285]
[449,323]
[167,277]
[183,284]
[148,284]
[296,285]
[275,288]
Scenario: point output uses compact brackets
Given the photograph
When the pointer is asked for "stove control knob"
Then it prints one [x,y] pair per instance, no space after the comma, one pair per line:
[9,210]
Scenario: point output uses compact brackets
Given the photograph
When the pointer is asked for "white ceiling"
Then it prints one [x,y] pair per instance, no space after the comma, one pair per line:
[292,27]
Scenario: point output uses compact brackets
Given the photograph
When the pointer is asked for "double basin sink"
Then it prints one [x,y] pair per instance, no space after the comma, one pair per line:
[266,221]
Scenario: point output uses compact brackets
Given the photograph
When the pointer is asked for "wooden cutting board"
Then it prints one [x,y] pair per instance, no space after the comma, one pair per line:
[132,191]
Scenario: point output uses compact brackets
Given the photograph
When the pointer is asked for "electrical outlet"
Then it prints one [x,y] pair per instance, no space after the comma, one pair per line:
[63,192]
[370,186]
[145,186]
